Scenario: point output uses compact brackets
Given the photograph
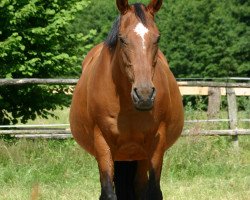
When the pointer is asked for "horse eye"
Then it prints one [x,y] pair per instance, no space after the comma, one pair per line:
[157,40]
[122,40]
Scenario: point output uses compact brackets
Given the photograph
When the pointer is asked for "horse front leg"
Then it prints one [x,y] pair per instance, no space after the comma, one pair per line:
[153,189]
[105,165]
[107,191]
[141,178]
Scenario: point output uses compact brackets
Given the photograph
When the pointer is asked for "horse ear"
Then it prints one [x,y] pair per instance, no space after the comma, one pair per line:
[154,6]
[122,6]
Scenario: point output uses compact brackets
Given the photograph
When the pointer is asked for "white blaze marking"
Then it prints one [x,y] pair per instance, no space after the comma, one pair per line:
[141,30]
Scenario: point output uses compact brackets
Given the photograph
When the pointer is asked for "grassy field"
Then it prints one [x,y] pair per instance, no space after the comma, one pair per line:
[197,167]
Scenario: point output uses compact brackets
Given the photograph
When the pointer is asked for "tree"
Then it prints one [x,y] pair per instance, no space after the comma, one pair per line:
[240,50]
[99,16]
[35,41]
[204,38]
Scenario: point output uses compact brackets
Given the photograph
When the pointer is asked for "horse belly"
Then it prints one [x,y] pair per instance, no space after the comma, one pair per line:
[80,123]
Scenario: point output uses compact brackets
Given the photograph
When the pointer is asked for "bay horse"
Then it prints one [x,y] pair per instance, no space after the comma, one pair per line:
[127,109]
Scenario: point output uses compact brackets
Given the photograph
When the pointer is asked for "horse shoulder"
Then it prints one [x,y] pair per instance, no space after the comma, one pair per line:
[165,69]
[174,118]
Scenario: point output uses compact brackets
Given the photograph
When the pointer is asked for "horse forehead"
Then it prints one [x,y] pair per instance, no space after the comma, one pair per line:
[141,30]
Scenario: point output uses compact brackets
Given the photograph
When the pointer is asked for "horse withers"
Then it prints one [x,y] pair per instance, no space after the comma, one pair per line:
[127,109]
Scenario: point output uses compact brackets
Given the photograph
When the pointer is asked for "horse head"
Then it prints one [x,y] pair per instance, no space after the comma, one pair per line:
[137,45]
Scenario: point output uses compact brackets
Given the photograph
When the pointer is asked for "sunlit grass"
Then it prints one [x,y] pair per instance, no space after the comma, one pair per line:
[55,167]
[62,118]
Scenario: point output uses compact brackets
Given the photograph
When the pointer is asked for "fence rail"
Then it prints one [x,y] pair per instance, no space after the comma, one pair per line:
[62,134]
[212,89]
[25,81]
[40,81]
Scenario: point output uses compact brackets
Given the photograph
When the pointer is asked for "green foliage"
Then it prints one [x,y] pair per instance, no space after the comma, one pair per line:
[202,38]
[35,41]
[99,16]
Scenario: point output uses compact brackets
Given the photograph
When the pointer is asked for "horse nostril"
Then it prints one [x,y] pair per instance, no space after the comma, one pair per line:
[144,95]
[136,95]
[152,96]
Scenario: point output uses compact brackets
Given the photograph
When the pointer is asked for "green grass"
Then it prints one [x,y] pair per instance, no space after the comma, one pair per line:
[62,118]
[58,168]
[195,168]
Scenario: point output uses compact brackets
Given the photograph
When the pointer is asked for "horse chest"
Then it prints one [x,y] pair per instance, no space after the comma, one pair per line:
[129,125]
[128,135]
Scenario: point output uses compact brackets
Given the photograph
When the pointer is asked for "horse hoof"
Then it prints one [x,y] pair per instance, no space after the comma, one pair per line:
[108,197]
[152,194]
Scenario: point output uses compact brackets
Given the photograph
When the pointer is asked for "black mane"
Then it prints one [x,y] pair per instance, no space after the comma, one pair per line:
[112,37]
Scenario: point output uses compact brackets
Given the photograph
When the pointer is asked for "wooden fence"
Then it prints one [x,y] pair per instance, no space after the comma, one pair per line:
[213,90]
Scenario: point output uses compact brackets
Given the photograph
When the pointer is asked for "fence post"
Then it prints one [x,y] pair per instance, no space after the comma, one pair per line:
[232,113]
[214,99]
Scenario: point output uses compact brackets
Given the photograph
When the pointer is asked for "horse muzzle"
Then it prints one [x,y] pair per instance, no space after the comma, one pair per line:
[143,98]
